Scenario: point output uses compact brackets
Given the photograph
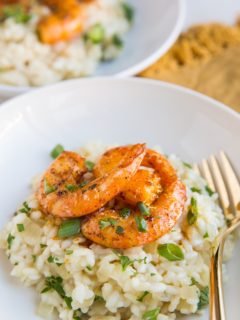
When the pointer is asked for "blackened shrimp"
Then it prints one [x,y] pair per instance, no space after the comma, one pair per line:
[112,229]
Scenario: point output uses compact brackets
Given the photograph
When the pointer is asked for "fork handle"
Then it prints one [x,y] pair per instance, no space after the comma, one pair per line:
[217,311]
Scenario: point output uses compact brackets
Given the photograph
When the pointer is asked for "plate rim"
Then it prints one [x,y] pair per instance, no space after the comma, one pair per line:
[9,91]
[11,103]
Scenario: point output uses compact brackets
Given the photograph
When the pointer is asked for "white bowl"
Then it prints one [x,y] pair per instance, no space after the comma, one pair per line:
[157,25]
[123,111]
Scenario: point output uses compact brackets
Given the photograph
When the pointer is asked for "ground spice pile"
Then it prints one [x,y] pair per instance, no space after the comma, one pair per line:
[205,58]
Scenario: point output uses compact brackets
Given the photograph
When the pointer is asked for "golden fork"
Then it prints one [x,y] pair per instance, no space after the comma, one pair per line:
[221,177]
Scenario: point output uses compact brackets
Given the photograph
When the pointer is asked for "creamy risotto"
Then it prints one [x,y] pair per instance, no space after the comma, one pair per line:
[78,279]
[26,60]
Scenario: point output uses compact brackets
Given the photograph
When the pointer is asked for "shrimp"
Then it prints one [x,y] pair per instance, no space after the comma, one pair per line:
[164,212]
[65,21]
[69,168]
[143,187]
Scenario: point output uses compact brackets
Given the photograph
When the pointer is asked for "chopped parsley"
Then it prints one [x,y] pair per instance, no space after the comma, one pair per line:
[10,239]
[192,214]
[203,298]
[187,165]
[170,251]
[142,296]
[20,227]
[82,184]
[141,224]
[96,34]
[151,314]
[17,12]
[43,246]
[69,252]
[98,298]
[209,191]
[55,283]
[90,165]
[117,41]
[48,188]
[77,314]
[206,235]
[55,260]
[71,187]
[119,230]
[108,222]
[193,189]
[34,257]
[125,262]
[69,228]
[125,212]
[25,209]
[89,267]
[93,186]
[56,151]
[145,211]
[128,12]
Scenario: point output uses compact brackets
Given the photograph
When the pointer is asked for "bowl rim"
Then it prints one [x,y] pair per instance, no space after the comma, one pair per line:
[63,85]
[8,91]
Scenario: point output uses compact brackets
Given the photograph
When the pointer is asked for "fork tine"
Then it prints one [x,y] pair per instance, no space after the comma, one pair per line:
[232,182]
[222,191]
[207,174]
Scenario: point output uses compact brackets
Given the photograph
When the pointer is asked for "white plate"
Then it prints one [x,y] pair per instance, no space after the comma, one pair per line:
[123,111]
[156,26]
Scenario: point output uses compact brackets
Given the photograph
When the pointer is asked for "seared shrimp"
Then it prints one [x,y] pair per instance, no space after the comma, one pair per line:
[138,229]
[144,186]
[64,23]
[69,168]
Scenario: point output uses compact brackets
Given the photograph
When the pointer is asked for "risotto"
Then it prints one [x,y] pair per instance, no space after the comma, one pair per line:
[27,61]
[82,280]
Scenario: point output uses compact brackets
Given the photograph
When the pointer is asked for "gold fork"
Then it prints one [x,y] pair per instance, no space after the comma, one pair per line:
[221,177]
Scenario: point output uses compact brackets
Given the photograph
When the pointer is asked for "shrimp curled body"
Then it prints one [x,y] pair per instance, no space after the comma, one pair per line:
[164,211]
[69,168]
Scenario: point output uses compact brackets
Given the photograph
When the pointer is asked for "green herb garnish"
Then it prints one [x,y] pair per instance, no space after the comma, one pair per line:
[43,245]
[192,212]
[151,314]
[56,151]
[206,235]
[90,165]
[203,298]
[89,267]
[96,34]
[34,257]
[128,12]
[48,188]
[98,298]
[71,187]
[82,184]
[141,224]
[142,296]
[170,251]
[55,283]
[209,191]
[108,222]
[125,212]
[10,239]
[77,314]
[68,252]
[193,189]
[25,209]
[20,227]
[187,165]
[55,260]
[17,12]
[125,262]
[117,41]
[69,228]
[119,230]
[145,211]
